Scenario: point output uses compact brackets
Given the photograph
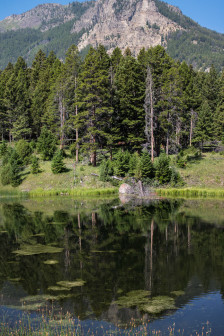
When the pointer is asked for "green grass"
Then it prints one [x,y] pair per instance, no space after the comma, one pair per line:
[207,172]
[74,182]
[191,192]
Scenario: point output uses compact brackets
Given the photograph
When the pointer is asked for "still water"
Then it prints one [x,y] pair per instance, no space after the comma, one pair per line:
[114,265]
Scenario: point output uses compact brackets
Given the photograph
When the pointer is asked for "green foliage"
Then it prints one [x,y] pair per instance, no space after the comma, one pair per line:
[134,165]
[162,168]
[147,169]
[24,151]
[10,173]
[121,163]
[72,149]
[46,144]
[57,165]
[188,155]
[3,148]
[176,180]
[106,170]
[35,167]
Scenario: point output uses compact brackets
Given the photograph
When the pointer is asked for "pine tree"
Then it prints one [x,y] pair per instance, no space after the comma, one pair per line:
[94,101]
[204,130]
[35,167]
[57,165]
[46,144]
[130,94]
[147,169]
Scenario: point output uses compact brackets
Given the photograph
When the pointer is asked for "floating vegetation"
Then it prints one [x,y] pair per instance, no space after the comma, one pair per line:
[158,304]
[37,249]
[140,299]
[14,279]
[58,288]
[34,306]
[134,298]
[51,262]
[71,284]
[177,293]
[37,298]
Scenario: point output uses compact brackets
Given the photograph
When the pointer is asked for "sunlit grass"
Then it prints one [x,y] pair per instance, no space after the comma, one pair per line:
[191,192]
[49,324]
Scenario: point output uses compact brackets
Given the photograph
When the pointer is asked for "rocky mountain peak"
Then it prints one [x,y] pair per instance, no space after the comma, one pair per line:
[124,23]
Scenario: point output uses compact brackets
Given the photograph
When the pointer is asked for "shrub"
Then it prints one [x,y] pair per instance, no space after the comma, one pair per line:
[163,171]
[106,170]
[24,151]
[35,167]
[46,144]
[10,173]
[147,169]
[121,163]
[176,179]
[134,165]
[57,165]
[3,148]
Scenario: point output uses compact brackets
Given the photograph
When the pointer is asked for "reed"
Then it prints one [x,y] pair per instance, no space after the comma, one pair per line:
[72,192]
[191,193]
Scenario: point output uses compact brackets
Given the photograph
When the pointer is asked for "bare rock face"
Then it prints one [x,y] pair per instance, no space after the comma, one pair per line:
[45,17]
[126,189]
[124,23]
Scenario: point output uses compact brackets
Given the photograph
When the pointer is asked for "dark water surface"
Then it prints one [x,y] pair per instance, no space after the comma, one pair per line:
[110,263]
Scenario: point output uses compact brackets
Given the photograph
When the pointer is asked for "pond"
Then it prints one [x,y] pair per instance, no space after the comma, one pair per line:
[113,267]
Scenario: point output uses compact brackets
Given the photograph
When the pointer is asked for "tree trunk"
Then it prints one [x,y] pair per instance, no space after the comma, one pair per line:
[62,119]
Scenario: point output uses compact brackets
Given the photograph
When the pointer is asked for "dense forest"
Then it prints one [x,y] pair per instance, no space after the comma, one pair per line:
[110,103]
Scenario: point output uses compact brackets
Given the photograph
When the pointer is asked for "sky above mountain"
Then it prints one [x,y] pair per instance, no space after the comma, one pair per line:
[208,13]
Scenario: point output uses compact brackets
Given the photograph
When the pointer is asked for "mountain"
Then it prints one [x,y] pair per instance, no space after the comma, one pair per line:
[123,23]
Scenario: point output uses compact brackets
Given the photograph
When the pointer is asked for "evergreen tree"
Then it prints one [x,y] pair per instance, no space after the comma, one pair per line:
[147,169]
[130,93]
[35,167]
[46,144]
[163,172]
[57,165]
[94,101]
[204,130]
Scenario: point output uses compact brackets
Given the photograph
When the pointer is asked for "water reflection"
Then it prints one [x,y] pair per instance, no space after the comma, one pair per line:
[168,248]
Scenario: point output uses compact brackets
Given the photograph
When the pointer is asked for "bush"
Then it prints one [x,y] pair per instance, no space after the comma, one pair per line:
[35,167]
[10,173]
[176,179]
[46,144]
[106,170]
[24,151]
[121,163]
[163,171]
[57,165]
[147,169]
[3,148]
[135,165]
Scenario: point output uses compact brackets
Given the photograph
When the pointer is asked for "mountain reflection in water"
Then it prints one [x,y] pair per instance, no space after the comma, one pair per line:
[101,260]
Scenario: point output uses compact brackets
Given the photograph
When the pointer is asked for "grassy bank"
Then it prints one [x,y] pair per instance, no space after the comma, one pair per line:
[191,192]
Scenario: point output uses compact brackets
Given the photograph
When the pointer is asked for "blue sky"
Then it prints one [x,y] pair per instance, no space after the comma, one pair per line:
[208,13]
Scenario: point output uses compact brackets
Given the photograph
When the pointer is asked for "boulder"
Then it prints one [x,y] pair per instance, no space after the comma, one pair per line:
[126,189]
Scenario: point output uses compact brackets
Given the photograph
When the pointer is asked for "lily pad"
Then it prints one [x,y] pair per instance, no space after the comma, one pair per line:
[37,249]
[158,304]
[133,298]
[50,262]
[37,298]
[14,279]
[177,293]
[58,288]
[70,284]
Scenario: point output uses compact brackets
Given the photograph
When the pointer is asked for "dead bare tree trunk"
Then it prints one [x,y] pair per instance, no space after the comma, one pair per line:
[62,119]
[149,111]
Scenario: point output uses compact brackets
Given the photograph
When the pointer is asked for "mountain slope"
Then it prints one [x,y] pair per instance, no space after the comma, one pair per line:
[124,23]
